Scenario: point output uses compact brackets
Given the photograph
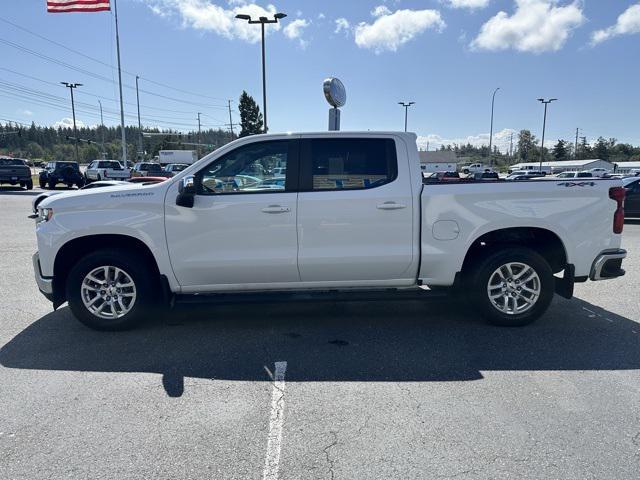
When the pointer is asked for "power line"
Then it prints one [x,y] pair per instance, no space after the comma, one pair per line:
[88,57]
[100,77]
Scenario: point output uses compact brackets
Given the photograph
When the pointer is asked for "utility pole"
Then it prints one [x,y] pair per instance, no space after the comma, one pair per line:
[199,135]
[103,153]
[263,21]
[71,86]
[140,147]
[544,126]
[406,106]
[122,126]
[230,120]
[493,101]
[575,152]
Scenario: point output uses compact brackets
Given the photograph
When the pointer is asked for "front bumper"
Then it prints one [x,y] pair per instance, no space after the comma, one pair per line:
[608,265]
[45,284]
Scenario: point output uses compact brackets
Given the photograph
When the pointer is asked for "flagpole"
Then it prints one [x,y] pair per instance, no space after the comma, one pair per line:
[124,136]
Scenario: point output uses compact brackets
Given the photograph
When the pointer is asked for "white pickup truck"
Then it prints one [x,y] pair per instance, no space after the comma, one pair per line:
[106,170]
[353,215]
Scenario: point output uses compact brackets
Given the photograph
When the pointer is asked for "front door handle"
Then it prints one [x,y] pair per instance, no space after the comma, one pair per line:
[276,209]
[391,206]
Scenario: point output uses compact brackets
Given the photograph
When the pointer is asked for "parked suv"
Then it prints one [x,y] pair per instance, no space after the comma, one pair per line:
[61,172]
[15,171]
[174,168]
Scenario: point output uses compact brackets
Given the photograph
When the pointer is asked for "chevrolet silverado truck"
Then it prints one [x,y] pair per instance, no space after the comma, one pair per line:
[15,171]
[106,170]
[354,218]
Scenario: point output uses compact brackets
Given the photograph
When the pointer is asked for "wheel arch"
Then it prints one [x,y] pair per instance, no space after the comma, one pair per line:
[78,247]
[541,240]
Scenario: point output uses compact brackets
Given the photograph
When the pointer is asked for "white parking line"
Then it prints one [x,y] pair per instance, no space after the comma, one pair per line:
[274,443]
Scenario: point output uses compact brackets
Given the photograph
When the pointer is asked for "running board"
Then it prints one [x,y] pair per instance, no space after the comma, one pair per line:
[378,295]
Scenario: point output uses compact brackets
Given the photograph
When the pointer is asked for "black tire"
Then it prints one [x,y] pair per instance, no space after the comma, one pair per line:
[99,177]
[484,272]
[52,184]
[465,171]
[43,184]
[69,185]
[137,269]
[29,185]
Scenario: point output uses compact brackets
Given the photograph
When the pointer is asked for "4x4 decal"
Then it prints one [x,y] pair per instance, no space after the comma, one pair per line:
[577,184]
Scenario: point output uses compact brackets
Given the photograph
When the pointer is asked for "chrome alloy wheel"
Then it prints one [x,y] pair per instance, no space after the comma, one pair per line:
[108,292]
[514,288]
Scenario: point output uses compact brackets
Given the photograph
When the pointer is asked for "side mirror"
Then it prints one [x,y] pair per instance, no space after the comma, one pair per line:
[186,192]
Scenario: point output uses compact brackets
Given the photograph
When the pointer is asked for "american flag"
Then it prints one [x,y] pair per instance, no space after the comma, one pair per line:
[65,6]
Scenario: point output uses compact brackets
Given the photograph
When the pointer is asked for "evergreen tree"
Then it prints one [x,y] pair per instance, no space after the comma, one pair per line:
[251,122]
[526,144]
[560,150]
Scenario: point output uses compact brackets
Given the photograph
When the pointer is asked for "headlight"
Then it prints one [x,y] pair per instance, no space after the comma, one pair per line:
[44,214]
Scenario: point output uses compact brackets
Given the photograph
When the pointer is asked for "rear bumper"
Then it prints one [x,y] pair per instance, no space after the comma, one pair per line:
[45,284]
[608,265]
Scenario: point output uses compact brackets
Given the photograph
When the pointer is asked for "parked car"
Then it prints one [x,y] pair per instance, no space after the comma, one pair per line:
[105,170]
[15,171]
[148,169]
[174,168]
[354,215]
[61,172]
[97,184]
[475,168]
[441,177]
[486,176]
[632,201]
[519,176]
[599,172]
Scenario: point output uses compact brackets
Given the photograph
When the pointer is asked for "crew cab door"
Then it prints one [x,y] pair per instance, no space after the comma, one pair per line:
[241,230]
[632,202]
[355,211]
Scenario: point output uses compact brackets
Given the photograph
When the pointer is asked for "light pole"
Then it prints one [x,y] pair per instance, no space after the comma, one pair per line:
[71,86]
[263,21]
[544,125]
[103,153]
[493,102]
[406,106]
[140,147]
[199,135]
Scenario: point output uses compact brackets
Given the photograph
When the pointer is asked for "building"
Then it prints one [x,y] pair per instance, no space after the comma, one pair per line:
[627,167]
[564,166]
[439,161]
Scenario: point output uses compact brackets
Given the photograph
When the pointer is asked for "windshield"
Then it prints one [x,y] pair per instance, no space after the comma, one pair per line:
[66,164]
[11,162]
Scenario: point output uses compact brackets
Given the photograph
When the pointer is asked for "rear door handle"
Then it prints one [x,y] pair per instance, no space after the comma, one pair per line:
[276,209]
[391,206]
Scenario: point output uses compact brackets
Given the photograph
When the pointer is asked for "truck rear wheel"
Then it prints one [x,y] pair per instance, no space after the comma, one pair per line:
[110,290]
[512,287]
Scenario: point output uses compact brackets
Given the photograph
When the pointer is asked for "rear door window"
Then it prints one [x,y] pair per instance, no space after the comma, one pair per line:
[347,163]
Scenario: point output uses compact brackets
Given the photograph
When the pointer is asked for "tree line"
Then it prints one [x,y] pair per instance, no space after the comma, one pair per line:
[51,143]
[527,148]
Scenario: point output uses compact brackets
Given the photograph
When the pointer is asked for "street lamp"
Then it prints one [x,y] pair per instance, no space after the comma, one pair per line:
[406,111]
[493,101]
[71,86]
[263,21]
[544,125]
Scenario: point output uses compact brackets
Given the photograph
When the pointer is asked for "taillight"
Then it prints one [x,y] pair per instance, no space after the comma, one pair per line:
[618,194]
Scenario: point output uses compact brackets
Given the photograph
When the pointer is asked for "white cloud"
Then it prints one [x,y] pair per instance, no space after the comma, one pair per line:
[628,23]
[391,30]
[321,16]
[471,4]
[501,140]
[208,16]
[26,112]
[342,24]
[295,29]
[536,26]
[380,11]
[68,123]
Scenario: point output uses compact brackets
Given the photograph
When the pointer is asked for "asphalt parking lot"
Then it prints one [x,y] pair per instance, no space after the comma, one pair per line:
[369,390]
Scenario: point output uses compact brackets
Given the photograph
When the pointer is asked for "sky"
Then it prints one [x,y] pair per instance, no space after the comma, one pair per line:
[447,56]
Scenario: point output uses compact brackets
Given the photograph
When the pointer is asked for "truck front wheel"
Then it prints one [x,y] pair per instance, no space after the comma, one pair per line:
[512,287]
[110,290]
